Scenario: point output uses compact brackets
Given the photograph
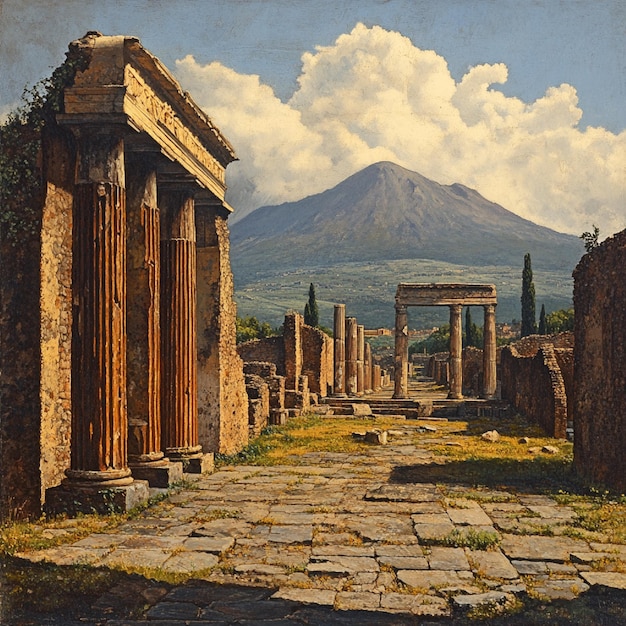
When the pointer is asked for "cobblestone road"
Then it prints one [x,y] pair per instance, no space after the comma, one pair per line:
[334,540]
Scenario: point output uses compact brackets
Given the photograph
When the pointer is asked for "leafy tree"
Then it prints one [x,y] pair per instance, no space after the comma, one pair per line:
[437,341]
[543,328]
[560,321]
[250,328]
[590,239]
[528,299]
[311,312]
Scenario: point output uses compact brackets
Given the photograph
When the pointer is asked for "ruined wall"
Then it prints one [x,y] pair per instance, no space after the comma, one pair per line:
[268,350]
[317,359]
[600,364]
[56,309]
[472,371]
[532,382]
[222,398]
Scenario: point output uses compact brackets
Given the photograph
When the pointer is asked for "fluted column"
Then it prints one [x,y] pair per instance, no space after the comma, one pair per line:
[178,325]
[351,356]
[456,352]
[401,373]
[360,359]
[339,362]
[489,352]
[99,419]
[143,315]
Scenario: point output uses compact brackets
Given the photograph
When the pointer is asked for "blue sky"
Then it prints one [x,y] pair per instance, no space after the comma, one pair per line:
[527,51]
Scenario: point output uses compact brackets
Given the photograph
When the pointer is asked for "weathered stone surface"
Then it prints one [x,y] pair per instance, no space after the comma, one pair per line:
[492,564]
[185,562]
[473,600]
[418,604]
[308,596]
[491,435]
[448,559]
[469,517]
[429,578]
[404,562]
[535,548]
[613,580]
[291,534]
[363,600]
[215,545]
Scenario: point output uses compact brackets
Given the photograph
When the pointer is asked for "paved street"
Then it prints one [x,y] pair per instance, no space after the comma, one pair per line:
[337,539]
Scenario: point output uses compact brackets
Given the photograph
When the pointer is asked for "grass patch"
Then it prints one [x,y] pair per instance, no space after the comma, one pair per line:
[283,445]
[470,538]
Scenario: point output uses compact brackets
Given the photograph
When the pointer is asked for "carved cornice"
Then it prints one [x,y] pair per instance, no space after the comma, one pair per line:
[125,79]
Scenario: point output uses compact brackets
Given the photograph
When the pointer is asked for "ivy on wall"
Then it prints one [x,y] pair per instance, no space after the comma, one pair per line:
[20,150]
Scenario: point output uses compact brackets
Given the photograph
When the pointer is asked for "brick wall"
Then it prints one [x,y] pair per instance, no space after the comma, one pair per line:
[600,364]
[268,350]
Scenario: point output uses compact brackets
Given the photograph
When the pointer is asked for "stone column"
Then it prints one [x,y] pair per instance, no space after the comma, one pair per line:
[360,359]
[339,358]
[456,352]
[145,456]
[489,352]
[99,477]
[369,386]
[351,356]
[401,374]
[179,396]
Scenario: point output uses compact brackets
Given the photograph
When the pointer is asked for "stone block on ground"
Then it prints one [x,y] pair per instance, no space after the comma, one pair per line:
[74,500]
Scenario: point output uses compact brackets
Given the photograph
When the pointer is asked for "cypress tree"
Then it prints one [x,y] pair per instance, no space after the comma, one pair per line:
[529,326]
[469,329]
[311,312]
[543,327]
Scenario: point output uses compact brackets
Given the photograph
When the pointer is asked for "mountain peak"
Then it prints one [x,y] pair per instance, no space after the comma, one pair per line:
[386,212]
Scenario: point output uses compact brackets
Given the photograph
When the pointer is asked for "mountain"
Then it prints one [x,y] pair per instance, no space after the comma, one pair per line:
[385,225]
[386,212]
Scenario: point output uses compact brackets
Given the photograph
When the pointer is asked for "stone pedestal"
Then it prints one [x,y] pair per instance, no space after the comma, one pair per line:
[73,498]
[199,463]
[163,473]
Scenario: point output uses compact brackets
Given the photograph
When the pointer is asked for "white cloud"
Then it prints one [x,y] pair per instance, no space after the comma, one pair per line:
[375,96]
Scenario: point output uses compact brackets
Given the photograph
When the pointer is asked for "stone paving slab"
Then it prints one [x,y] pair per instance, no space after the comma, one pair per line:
[334,535]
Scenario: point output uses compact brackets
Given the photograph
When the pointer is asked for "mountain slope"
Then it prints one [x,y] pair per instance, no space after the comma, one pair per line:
[386,212]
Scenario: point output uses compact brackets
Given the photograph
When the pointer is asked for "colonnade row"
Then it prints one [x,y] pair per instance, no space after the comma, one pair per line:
[134,370]
[401,382]
[354,371]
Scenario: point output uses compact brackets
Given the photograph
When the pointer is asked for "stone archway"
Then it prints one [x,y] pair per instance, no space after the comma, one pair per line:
[454,296]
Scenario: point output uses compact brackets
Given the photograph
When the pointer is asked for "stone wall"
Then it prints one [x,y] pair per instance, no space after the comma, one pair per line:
[303,355]
[35,342]
[268,350]
[222,399]
[317,360]
[600,364]
[531,380]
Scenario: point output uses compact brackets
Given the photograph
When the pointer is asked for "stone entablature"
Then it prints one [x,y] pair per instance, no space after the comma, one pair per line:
[129,85]
[455,296]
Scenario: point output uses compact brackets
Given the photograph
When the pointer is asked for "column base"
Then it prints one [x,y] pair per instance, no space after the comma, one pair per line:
[193,462]
[455,396]
[74,499]
[162,474]
[339,395]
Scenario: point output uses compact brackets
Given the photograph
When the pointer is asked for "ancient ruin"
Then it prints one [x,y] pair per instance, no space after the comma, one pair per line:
[599,406]
[454,296]
[137,373]
[536,379]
